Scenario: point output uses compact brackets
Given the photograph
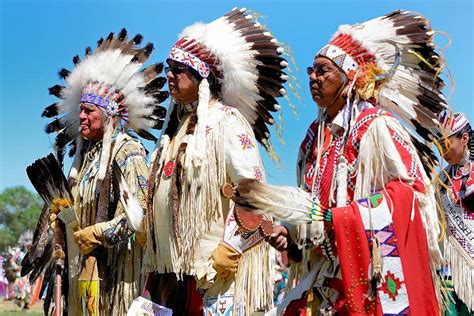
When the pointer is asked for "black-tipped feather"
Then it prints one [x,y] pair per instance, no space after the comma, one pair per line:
[155,85]
[147,135]
[122,36]
[99,42]
[62,139]
[76,60]
[161,96]
[50,111]
[143,54]
[54,126]
[63,73]
[151,72]
[72,149]
[158,124]
[56,90]
[159,111]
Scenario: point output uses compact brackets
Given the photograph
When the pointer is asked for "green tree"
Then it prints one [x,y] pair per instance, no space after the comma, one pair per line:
[19,211]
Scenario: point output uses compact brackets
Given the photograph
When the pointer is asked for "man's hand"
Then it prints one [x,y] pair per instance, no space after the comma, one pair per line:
[280,238]
[226,260]
[90,237]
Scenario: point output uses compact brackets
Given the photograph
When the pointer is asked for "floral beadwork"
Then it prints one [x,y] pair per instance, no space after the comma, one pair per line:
[245,141]
[257,173]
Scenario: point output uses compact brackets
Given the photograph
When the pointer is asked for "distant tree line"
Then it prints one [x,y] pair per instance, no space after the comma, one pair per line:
[19,211]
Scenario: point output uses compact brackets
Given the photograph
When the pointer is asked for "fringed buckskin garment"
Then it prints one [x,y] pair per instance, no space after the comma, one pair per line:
[207,145]
[189,213]
[119,257]
[108,176]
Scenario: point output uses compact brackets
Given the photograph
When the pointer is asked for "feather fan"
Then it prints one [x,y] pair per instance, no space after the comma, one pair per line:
[49,243]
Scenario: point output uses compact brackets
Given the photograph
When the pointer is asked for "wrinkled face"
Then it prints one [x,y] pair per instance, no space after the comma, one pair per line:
[325,81]
[91,120]
[454,148]
[182,85]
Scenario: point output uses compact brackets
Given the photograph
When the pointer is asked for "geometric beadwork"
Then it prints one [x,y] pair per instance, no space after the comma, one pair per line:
[391,285]
[388,242]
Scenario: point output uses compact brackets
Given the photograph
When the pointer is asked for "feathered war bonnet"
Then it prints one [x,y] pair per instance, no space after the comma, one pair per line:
[391,61]
[245,60]
[109,78]
[455,124]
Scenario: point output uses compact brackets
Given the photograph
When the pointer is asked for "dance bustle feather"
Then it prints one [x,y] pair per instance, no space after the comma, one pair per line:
[49,245]
[132,208]
[288,204]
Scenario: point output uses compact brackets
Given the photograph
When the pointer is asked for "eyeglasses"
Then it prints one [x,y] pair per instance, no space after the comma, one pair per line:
[176,70]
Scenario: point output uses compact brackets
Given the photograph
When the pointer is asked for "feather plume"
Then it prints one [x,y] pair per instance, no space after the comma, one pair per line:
[54,126]
[151,72]
[155,85]
[142,55]
[56,90]
[63,73]
[288,204]
[122,36]
[50,111]
[76,60]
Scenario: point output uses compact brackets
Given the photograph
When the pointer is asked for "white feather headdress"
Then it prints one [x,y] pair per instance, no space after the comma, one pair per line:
[109,78]
[393,63]
[246,61]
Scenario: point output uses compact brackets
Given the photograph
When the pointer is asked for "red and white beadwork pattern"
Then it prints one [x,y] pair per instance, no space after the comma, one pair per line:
[189,59]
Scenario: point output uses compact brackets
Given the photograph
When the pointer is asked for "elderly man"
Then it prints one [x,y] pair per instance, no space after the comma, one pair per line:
[105,96]
[365,212]
[197,256]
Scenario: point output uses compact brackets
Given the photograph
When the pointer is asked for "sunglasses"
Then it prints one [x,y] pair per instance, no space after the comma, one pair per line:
[176,70]
[319,70]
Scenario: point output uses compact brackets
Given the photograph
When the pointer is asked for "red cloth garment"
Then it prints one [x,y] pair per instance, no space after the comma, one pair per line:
[181,296]
[354,255]
[407,287]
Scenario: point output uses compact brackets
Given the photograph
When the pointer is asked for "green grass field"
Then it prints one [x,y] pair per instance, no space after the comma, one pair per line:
[8,308]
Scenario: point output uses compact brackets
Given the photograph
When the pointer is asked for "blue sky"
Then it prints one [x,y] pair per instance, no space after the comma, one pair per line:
[40,37]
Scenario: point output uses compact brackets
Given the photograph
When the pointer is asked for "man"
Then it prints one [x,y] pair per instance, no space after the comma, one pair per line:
[371,244]
[198,258]
[103,97]
[456,186]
